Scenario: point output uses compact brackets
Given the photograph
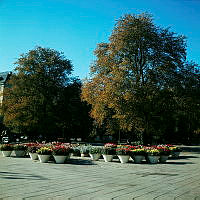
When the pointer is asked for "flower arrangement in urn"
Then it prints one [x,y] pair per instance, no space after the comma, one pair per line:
[44,151]
[175,151]
[61,153]
[95,152]
[32,150]
[123,153]
[152,152]
[123,150]
[61,150]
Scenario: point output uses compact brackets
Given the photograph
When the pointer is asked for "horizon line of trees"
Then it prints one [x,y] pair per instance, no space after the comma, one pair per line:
[141,88]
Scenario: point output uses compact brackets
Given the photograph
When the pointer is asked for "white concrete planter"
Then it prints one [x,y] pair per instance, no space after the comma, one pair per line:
[44,158]
[60,159]
[123,158]
[163,158]
[6,153]
[19,153]
[138,159]
[95,156]
[33,156]
[107,158]
[153,159]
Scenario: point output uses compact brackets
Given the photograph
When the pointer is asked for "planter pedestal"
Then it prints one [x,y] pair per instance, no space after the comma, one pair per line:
[60,159]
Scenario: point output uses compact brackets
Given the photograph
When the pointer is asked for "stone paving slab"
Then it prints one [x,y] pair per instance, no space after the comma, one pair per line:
[82,179]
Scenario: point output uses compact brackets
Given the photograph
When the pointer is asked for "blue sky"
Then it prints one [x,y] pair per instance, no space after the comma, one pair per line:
[75,27]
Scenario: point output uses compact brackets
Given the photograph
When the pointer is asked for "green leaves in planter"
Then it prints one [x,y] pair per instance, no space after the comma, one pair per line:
[95,150]
[44,151]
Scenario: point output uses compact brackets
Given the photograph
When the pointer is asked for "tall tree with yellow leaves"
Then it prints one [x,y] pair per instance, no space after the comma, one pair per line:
[135,75]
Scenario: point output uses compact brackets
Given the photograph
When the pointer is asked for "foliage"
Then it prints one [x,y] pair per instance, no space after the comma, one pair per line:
[61,150]
[122,150]
[84,149]
[44,151]
[30,103]
[33,147]
[152,152]
[164,150]
[95,150]
[109,151]
[137,151]
[137,77]
[6,147]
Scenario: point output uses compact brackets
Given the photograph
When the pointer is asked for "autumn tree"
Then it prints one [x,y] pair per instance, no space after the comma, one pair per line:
[30,103]
[135,77]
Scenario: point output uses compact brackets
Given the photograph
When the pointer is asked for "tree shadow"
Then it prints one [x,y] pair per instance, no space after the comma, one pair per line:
[177,163]
[14,175]
[182,157]
[75,161]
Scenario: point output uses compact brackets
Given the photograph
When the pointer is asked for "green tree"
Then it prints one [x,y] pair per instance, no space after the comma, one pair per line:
[135,77]
[72,114]
[30,103]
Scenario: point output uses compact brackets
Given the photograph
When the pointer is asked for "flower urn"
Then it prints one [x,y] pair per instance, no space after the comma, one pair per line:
[19,153]
[60,159]
[107,158]
[95,156]
[123,158]
[152,159]
[44,158]
[138,159]
[6,153]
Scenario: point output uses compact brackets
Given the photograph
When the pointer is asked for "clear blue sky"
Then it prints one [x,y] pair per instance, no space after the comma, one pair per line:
[76,26]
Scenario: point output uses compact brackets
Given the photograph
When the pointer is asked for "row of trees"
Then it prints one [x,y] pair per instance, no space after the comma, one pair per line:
[141,86]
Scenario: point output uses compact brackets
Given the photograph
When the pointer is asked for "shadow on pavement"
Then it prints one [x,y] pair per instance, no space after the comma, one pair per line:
[177,163]
[12,175]
[80,162]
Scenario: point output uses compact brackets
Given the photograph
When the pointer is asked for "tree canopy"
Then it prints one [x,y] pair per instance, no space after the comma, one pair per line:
[30,103]
[136,77]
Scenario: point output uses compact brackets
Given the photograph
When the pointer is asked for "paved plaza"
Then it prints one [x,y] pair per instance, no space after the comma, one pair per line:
[81,178]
